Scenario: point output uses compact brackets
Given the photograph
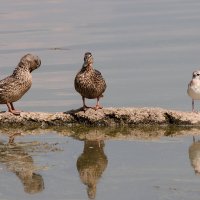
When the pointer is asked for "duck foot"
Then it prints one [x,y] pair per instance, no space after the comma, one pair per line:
[15,112]
[12,109]
[97,107]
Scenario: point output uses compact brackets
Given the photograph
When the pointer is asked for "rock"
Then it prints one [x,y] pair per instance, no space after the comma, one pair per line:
[103,117]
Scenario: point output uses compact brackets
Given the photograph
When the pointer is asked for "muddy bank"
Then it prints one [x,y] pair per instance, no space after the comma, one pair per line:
[104,117]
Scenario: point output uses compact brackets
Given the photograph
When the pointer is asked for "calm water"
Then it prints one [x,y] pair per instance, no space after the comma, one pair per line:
[50,166]
[146,50]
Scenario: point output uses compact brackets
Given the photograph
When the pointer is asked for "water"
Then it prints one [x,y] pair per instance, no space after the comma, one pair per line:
[52,166]
[146,50]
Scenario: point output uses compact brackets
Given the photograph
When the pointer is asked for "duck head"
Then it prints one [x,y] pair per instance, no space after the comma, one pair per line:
[30,61]
[88,58]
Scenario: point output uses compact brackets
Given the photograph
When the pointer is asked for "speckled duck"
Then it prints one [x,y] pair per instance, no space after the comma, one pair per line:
[89,82]
[13,87]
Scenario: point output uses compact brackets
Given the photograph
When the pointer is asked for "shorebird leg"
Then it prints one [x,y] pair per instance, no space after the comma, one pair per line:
[193,110]
[97,105]
[193,105]
[12,109]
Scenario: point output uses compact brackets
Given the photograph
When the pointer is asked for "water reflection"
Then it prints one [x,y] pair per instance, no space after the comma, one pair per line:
[194,155]
[91,164]
[18,161]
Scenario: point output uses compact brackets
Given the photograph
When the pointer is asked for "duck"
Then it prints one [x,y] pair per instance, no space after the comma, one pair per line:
[89,82]
[13,87]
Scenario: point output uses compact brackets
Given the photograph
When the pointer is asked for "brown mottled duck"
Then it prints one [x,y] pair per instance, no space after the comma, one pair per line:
[89,82]
[13,87]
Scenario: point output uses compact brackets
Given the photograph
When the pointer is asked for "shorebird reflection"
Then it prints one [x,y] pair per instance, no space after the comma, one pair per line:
[91,164]
[18,161]
[194,155]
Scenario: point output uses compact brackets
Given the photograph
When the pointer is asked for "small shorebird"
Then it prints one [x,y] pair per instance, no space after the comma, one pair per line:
[194,88]
[89,82]
[13,87]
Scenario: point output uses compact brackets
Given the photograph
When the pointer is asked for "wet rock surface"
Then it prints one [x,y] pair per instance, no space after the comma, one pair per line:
[104,124]
[103,117]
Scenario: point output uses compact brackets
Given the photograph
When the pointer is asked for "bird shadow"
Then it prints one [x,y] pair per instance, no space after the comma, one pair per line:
[73,111]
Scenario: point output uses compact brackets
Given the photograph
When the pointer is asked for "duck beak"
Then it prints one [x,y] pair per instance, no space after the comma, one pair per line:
[38,62]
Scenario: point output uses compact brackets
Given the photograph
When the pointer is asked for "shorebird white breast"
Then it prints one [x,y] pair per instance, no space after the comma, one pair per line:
[194,89]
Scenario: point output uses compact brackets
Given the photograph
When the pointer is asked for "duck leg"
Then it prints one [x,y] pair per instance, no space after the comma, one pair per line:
[97,105]
[12,138]
[84,105]
[12,109]
[17,112]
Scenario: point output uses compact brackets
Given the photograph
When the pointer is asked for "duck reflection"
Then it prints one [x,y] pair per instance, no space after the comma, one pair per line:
[18,161]
[194,155]
[91,165]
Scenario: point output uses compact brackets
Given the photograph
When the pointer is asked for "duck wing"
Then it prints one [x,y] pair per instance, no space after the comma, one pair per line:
[100,81]
[7,83]
[97,72]
[98,75]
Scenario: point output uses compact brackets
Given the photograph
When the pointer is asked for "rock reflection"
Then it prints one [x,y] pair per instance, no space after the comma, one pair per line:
[18,161]
[91,165]
[194,155]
